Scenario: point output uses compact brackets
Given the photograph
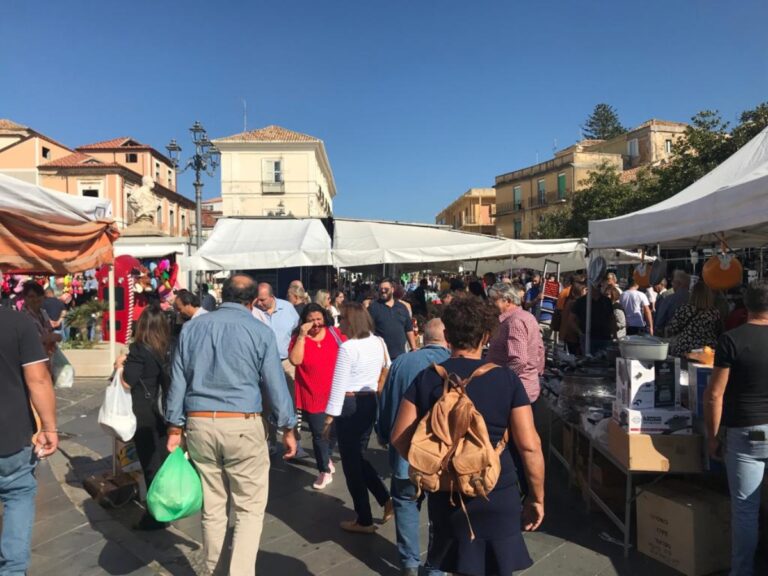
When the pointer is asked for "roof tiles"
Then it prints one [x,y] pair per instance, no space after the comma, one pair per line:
[269,134]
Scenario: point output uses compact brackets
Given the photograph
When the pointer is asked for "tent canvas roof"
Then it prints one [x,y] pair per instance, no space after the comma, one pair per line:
[732,198]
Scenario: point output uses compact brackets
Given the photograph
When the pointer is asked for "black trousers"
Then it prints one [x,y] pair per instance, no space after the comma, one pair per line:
[150,439]
[322,446]
[354,427]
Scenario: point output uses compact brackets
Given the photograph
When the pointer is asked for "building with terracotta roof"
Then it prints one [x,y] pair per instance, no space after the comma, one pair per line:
[110,169]
[274,171]
[471,212]
[525,195]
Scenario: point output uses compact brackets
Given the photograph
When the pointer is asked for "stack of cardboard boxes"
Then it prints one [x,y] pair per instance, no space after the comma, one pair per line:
[648,397]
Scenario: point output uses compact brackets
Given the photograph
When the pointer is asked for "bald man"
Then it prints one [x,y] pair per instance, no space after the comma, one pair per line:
[226,364]
[402,373]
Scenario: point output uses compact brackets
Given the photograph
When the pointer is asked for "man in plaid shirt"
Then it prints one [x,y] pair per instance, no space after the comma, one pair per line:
[517,344]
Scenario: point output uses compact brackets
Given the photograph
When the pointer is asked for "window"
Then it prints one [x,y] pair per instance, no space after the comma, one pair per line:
[157,171]
[183,223]
[91,192]
[561,186]
[46,153]
[159,216]
[668,146]
[633,148]
[171,221]
[131,158]
[518,229]
[541,188]
[170,178]
[273,172]
[517,194]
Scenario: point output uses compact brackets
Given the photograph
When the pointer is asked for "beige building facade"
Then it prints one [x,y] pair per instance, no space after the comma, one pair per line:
[112,169]
[471,212]
[524,196]
[275,172]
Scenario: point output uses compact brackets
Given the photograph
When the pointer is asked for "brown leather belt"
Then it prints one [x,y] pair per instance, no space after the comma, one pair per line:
[215,415]
[360,393]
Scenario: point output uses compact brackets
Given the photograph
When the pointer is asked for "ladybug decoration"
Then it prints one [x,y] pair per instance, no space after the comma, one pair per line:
[723,272]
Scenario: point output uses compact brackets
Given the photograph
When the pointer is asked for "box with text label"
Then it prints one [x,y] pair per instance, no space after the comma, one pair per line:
[654,420]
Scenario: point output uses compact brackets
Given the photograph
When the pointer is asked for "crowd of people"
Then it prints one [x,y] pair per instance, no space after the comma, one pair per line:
[230,379]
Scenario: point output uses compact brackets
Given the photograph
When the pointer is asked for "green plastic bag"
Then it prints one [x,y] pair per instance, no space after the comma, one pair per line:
[176,492]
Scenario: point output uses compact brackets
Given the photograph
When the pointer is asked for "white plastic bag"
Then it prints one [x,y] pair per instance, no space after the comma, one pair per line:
[63,372]
[116,414]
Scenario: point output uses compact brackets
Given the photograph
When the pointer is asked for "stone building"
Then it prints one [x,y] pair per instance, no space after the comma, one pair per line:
[471,212]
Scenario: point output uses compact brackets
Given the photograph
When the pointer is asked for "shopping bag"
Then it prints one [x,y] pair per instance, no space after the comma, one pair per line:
[176,492]
[63,372]
[116,414]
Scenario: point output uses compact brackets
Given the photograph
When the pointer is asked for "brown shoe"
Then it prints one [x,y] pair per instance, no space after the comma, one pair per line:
[389,511]
[353,526]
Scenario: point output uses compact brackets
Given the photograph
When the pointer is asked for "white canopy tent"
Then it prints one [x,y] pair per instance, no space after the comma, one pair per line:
[365,243]
[731,199]
[253,244]
[20,197]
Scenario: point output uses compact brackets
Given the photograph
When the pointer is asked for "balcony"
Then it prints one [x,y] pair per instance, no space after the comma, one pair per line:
[273,187]
[507,208]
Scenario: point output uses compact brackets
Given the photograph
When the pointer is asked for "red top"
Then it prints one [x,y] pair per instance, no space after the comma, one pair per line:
[315,374]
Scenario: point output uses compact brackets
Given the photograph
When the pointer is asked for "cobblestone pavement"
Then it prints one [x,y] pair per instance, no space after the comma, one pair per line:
[73,535]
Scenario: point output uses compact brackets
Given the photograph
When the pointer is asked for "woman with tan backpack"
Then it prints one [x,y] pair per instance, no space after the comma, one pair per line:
[453,426]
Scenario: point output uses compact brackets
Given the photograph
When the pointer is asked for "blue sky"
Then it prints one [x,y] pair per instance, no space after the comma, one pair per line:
[417,101]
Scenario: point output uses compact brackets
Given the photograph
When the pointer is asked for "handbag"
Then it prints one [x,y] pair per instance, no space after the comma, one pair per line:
[116,415]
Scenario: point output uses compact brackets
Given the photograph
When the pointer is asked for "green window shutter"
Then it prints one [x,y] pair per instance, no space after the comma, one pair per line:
[561,186]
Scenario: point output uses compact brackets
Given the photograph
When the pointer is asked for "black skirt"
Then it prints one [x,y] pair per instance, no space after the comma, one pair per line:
[498,548]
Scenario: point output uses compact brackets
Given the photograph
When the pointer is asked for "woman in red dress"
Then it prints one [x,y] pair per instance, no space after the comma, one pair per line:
[313,350]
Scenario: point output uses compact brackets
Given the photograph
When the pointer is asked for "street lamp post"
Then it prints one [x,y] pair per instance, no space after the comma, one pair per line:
[205,159]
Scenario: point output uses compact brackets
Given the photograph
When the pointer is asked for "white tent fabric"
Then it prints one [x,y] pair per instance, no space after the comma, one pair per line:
[20,197]
[733,198]
[253,244]
[365,243]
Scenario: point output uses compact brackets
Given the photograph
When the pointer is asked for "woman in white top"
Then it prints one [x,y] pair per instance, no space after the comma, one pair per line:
[352,404]
[336,303]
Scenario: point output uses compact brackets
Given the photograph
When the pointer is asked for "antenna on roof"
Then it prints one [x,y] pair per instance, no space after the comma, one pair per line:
[554,146]
[245,115]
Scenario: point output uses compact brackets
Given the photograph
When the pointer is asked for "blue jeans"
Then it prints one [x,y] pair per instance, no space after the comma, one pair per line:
[18,488]
[407,525]
[745,462]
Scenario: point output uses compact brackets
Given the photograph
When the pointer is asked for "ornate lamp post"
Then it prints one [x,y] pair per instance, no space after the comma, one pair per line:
[205,159]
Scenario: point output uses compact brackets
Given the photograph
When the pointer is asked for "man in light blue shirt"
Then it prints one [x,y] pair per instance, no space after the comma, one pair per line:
[402,373]
[225,363]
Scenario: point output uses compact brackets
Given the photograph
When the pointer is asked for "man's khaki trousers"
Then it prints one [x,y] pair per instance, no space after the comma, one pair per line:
[232,458]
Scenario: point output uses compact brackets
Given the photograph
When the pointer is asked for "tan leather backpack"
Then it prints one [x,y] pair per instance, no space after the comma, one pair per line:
[450,450]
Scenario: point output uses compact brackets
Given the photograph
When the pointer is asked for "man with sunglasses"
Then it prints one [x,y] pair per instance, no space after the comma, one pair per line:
[391,320]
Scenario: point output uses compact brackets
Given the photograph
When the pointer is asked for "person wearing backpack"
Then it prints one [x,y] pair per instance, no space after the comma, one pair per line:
[146,374]
[461,458]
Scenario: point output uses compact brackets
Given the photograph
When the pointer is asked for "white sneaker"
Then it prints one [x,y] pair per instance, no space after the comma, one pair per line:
[331,467]
[322,480]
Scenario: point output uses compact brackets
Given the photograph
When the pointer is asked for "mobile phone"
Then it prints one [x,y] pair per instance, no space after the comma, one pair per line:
[756,435]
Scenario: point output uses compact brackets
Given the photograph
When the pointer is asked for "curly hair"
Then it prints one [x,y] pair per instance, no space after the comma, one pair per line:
[467,321]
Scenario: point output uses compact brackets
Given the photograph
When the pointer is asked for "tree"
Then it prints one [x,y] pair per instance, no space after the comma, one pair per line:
[603,124]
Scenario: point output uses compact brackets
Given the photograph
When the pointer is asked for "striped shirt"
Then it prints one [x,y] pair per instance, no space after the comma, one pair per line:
[518,345]
[358,367]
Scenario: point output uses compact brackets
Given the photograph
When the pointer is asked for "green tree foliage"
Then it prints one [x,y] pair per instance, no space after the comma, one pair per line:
[603,124]
[705,145]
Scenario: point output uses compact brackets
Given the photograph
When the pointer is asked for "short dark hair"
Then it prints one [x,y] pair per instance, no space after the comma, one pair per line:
[388,280]
[424,282]
[204,288]
[188,298]
[756,297]
[309,309]
[467,320]
[358,322]
[32,287]
[239,289]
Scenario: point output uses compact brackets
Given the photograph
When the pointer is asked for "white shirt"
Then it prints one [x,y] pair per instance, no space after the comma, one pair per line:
[633,301]
[199,312]
[651,293]
[358,367]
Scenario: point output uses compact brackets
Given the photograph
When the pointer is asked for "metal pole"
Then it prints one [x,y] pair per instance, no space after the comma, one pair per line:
[588,335]
[112,327]
[198,219]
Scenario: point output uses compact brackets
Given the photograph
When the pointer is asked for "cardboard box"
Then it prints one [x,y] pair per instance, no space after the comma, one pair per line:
[635,383]
[657,452]
[654,420]
[699,376]
[685,527]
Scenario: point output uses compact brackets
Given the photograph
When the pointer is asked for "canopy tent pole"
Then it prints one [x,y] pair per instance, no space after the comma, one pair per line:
[112,334]
[588,335]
